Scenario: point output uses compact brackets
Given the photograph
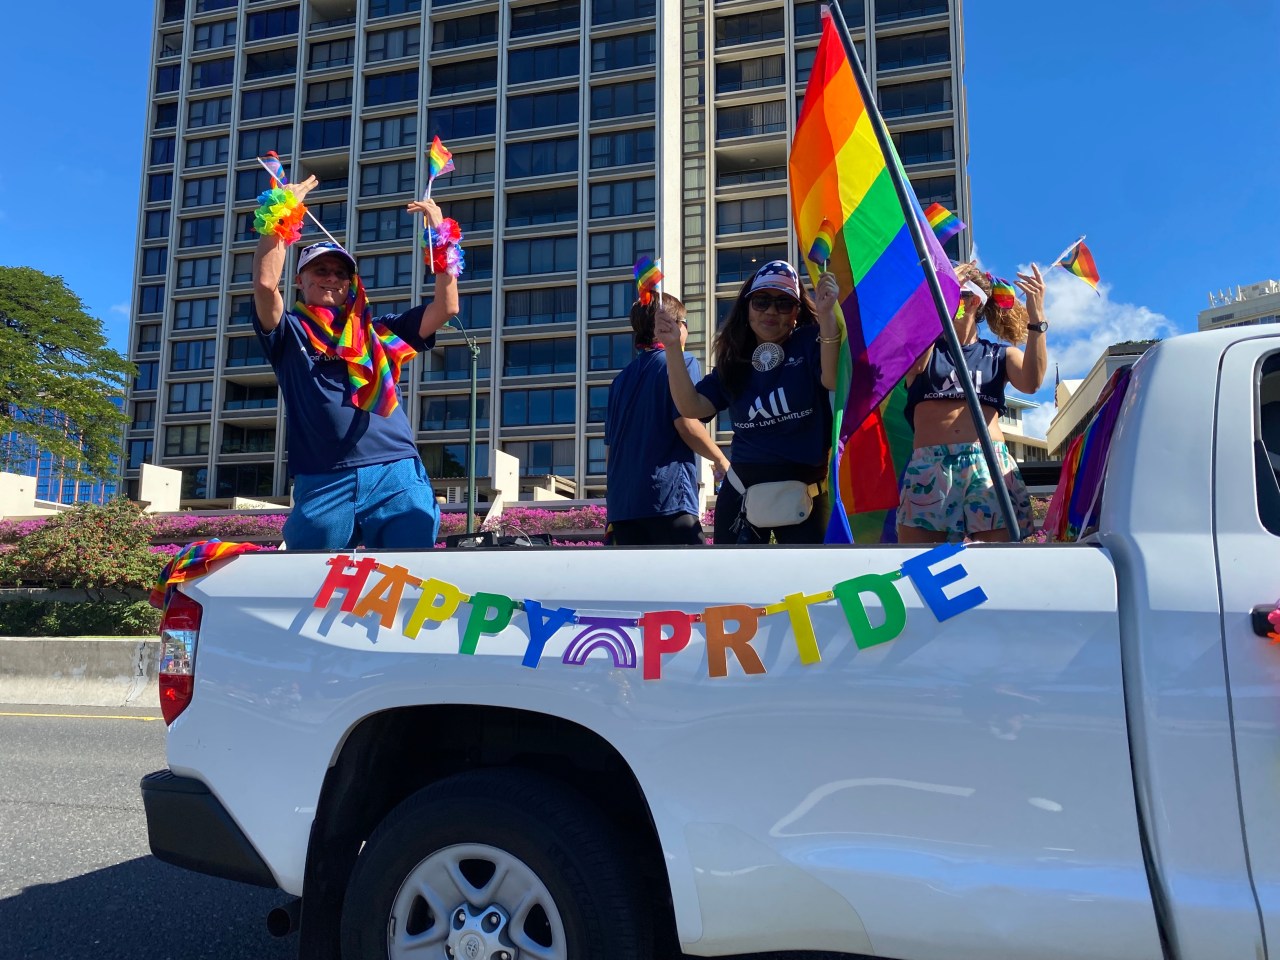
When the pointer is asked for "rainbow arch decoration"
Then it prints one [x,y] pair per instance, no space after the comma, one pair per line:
[603,633]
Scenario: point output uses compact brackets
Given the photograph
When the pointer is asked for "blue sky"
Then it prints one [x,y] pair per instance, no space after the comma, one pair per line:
[1150,127]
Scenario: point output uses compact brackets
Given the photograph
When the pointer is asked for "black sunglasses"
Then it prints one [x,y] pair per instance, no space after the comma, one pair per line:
[762,302]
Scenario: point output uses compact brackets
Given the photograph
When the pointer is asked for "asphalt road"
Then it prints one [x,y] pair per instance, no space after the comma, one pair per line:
[77,881]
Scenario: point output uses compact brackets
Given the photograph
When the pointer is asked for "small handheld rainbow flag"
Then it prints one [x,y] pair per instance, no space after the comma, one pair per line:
[820,252]
[276,169]
[648,278]
[1079,260]
[439,162]
[945,224]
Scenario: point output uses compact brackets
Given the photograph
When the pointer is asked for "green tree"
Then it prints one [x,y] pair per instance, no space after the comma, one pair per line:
[57,377]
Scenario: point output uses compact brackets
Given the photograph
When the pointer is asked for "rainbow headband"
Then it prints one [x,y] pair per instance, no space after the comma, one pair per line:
[1003,293]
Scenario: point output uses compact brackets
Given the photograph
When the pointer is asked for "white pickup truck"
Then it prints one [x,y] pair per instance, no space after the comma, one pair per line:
[997,753]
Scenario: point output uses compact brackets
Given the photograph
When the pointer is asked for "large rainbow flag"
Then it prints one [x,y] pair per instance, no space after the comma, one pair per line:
[839,172]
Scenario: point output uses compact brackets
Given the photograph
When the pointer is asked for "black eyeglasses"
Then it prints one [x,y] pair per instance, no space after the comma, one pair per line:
[762,302]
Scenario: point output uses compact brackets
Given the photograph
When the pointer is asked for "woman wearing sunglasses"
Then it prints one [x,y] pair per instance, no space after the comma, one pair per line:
[775,362]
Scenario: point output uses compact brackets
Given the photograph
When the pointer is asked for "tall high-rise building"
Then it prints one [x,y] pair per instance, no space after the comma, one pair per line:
[585,133]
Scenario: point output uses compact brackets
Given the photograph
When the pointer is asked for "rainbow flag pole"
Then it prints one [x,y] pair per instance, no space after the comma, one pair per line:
[906,199]
[277,173]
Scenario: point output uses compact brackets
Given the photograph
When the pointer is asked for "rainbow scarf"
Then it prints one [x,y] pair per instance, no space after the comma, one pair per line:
[1079,260]
[945,224]
[888,315]
[374,355]
[193,560]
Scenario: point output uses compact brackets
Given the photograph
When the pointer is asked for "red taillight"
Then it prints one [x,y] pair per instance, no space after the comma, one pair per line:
[179,633]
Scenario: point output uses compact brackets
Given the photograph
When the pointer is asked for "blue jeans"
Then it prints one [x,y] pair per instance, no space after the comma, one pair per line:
[383,506]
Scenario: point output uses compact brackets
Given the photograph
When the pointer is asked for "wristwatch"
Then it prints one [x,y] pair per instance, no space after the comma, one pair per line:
[1040,327]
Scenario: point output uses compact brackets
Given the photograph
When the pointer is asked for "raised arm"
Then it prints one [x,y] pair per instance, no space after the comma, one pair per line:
[268,266]
[444,300]
[689,401]
[1027,367]
[827,296]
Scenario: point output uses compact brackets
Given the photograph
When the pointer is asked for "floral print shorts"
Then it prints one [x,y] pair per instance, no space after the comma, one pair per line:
[948,488]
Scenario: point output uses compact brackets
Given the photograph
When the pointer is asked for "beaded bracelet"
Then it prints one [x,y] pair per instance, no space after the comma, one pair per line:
[835,339]
[442,248]
[279,214]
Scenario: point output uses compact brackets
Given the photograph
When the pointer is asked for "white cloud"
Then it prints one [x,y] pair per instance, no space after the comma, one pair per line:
[120,308]
[1035,422]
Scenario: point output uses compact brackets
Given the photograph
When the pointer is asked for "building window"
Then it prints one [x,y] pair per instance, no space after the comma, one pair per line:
[327,134]
[910,99]
[620,248]
[464,31]
[597,403]
[539,158]
[536,408]
[331,53]
[147,376]
[187,441]
[200,272]
[753,215]
[542,458]
[749,28]
[159,187]
[389,8]
[475,310]
[449,460]
[191,355]
[542,110]
[627,51]
[148,338]
[622,148]
[245,352]
[809,17]
[245,480]
[452,363]
[464,120]
[166,116]
[935,145]
[621,99]
[622,198]
[272,23]
[541,255]
[543,62]
[735,264]
[208,152]
[542,206]
[751,119]
[547,305]
[239,396]
[544,18]
[452,411]
[473,214]
[144,415]
[329,93]
[387,270]
[151,299]
[387,132]
[615,11]
[751,74]
[935,190]
[393,44]
[610,351]
[382,88]
[596,462]
[139,453]
[200,231]
[463,76]
[913,49]
[241,267]
[204,191]
[528,358]
[168,79]
[480,262]
[472,168]
[155,260]
[386,223]
[193,314]
[212,73]
[271,102]
[256,143]
[610,301]
[888,11]
[195,397]
[241,310]
[155,225]
[380,179]
[238,439]
[270,63]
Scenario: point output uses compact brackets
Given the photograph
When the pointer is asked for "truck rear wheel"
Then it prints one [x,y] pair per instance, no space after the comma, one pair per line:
[494,865]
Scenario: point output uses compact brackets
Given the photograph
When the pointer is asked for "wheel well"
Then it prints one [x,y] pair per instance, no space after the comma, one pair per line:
[393,754]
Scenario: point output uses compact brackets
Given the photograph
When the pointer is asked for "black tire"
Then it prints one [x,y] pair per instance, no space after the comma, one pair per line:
[565,841]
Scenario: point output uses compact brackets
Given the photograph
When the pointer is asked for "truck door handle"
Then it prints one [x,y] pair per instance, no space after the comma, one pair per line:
[1261,622]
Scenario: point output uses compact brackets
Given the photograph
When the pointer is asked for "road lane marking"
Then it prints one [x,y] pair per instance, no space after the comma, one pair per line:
[82,716]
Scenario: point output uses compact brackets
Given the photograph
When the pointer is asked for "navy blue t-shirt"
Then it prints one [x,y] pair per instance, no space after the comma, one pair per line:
[783,415]
[651,471]
[326,430]
[986,363]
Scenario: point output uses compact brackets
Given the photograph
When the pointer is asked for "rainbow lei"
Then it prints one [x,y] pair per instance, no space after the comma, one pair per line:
[442,248]
[279,214]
